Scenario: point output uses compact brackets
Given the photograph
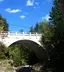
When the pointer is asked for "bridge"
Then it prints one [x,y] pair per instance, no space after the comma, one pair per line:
[27,39]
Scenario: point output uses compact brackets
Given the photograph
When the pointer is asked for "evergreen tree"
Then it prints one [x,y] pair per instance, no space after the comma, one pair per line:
[32,29]
[57,52]
[56,17]
[62,5]
[37,28]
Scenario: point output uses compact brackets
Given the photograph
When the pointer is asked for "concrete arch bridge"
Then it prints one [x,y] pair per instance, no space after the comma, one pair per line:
[30,40]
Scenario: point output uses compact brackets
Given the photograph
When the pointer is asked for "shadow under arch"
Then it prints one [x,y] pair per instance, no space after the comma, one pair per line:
[36,48]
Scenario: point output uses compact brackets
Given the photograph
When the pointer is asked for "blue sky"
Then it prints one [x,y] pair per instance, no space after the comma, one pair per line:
[22,14]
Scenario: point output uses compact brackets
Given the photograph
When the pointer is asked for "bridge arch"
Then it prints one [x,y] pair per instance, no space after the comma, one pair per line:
[34,46]
[30,40]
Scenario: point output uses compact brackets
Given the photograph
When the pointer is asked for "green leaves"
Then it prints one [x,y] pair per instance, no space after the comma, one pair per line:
[32,30]
[38,27]
[3,50]
[58,20]
[19,54]
[3,24]
[55,34]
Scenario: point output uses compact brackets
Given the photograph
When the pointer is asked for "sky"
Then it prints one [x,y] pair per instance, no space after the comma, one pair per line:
[22,14]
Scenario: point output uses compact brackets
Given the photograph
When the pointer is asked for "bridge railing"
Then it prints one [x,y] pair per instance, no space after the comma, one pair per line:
[19,34]
[23,34]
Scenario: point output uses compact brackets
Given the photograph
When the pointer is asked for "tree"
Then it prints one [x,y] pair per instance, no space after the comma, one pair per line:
[18,55]
[3,51]
[3,27]
[57,50]
[47,32]
[21,55]
[58,20]
[62,5]
[21,30]
[32,29]
[37,28]
[3,24]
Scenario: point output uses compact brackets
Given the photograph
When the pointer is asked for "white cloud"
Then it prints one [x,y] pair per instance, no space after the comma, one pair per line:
[22,17]
[46,17]
[1,0]
[30,3]
[12,11]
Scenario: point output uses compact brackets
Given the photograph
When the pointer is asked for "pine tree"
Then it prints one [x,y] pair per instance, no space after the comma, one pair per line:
[57,53]
[58,20]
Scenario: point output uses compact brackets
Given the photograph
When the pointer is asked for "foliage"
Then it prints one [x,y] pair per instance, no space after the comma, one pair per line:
[17,55]
[32,29]
[21,30]
[57,41]
[20,55]
[38,27]
[3,51]
[58,20]
[62,5]
[46,28]
[3,24]
[35,29]
[53,37]
[47,31]
[3,27]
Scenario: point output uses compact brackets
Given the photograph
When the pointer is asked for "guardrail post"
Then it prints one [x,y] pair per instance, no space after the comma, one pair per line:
[8,33]
[36,35]
[16,33]
[23,34]
[30,34]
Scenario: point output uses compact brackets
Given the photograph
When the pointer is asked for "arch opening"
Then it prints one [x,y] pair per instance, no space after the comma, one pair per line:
[37,52]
